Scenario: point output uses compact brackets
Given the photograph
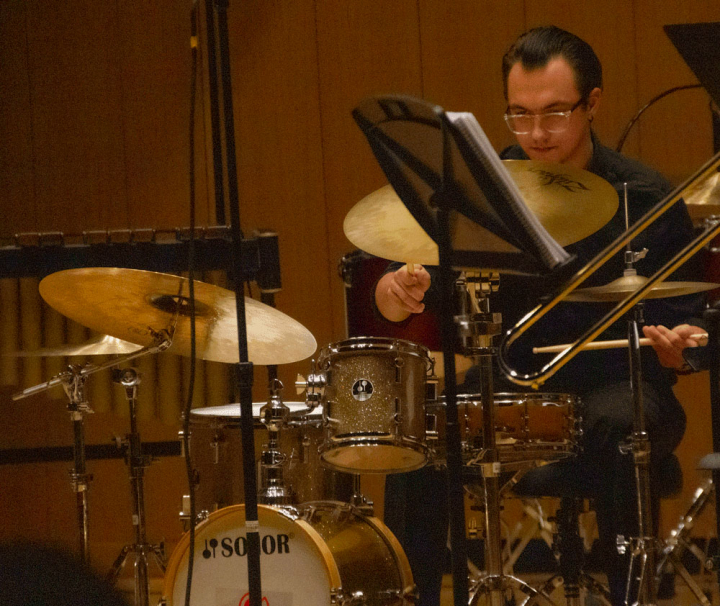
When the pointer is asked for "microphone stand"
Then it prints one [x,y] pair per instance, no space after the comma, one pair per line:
[244,368]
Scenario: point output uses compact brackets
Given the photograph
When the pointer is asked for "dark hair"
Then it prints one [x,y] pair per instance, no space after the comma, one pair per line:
[536,47]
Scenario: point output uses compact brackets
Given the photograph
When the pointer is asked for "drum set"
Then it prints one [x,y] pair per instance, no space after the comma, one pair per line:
[370,406]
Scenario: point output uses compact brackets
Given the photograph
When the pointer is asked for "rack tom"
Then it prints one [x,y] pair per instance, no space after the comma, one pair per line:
[374,404]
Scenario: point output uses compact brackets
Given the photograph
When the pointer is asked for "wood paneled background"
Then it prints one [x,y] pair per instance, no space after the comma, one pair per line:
[94,100]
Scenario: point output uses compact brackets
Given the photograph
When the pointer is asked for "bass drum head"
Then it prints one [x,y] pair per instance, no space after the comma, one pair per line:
[297,567]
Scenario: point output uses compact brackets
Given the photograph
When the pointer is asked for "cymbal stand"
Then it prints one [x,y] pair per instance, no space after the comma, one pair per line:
[477,326]
[274,415]
[73,382]
[642,547]
[78,406]
[129,378]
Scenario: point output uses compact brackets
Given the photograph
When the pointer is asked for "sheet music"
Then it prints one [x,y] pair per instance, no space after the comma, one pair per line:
[546,246]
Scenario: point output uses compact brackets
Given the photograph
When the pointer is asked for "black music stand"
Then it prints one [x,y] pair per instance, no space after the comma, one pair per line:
[699,45]
[446,172]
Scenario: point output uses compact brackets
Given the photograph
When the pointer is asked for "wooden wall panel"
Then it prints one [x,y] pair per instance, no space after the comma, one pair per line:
[96,137]
[462,58]
[675,134]
[154,61]
[364,48]
[609,30]
[277,126]
[17,200]
[77,115]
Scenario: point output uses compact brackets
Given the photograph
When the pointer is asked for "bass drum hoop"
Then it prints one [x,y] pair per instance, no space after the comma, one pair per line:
[266,514]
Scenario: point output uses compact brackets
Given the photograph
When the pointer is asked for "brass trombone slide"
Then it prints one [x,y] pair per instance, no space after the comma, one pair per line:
[536,379]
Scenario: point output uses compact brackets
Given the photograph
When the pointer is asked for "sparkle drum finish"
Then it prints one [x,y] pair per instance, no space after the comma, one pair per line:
[216,448]
[374,404]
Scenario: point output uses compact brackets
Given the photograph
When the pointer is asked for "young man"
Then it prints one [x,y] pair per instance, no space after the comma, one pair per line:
[553,87]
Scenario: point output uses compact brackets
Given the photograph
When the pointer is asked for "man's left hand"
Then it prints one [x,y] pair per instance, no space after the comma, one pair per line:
[669,344]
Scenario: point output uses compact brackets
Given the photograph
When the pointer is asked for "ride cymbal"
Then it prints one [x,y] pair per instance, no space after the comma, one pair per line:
[133,305]
[619,289]
[569,202]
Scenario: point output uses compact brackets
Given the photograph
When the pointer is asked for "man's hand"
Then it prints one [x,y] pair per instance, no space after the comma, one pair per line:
[400,293]
[669,344]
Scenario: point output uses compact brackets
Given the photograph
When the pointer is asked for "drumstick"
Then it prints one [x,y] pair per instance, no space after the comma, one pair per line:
[410,267]
[615,343]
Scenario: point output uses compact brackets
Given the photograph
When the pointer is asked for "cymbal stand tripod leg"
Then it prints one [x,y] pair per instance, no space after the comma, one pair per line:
[679,541]
[130,379]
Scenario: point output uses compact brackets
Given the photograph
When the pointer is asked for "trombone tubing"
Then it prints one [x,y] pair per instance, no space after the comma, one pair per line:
[535,380]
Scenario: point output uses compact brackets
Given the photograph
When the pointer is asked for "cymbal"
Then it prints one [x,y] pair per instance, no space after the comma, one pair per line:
[569,202]
[703,198]
[619,289]
[100,345]
[131,304]
[231,412]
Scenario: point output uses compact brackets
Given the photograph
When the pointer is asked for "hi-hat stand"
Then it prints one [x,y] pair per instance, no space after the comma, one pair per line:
[129,379]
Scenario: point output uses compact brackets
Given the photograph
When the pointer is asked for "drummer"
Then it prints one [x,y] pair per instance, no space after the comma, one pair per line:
[553,87]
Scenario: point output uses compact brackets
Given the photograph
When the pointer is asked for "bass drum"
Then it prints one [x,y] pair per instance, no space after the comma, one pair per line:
[321,554]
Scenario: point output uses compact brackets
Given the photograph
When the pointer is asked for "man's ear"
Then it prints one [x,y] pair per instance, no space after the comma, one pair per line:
[593,102]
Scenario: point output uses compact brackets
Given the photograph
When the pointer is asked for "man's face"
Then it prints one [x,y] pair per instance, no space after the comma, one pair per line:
[552,89]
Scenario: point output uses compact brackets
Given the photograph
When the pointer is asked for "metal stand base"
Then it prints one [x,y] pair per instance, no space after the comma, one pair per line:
[485,589]
[137,463]
[679,542]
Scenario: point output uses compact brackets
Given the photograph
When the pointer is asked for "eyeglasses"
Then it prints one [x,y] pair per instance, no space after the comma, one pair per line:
[551,122]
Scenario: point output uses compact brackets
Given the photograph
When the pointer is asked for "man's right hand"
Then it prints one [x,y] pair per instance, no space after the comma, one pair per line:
[400,293]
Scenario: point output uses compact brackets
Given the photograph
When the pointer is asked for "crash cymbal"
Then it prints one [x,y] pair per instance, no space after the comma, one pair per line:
[100,345]
[131,304]
[703,198]
[618,289]
[569,202]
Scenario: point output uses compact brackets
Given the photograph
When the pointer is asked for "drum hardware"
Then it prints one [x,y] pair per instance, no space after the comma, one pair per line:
[372,390]
[679,541]
[273,415]
[476,327]
[129,379]
[185,514]
[642,548]
[73,382]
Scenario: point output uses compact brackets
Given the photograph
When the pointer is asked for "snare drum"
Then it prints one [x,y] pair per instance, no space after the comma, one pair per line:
[528,426]
[374,404]
[320,554]
[216,449]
